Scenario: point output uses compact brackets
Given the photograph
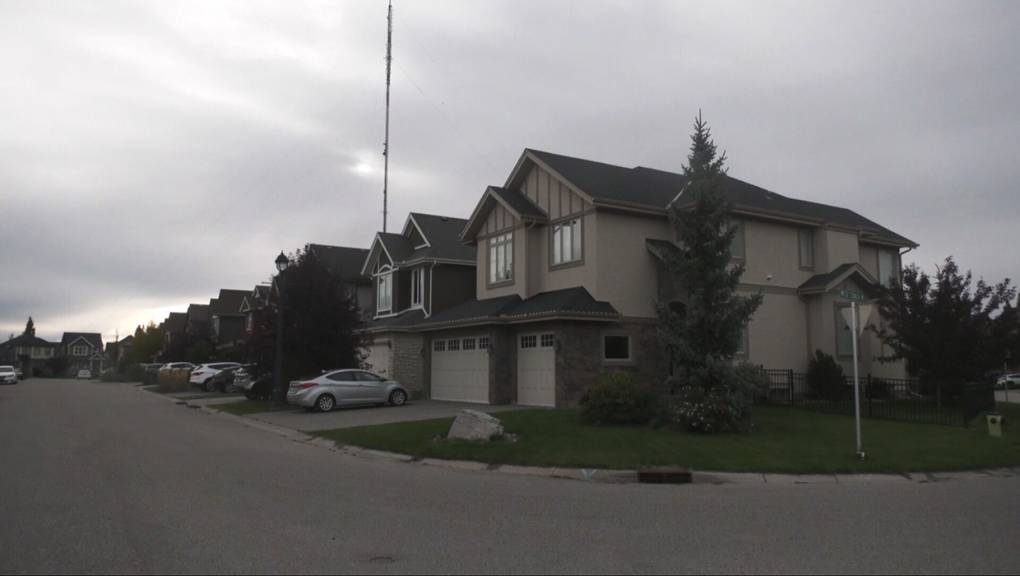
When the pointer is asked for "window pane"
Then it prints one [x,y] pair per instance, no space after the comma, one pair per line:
[737,246]
[806,247]
[886,275]
[575,252]
[557,242]
[616,347]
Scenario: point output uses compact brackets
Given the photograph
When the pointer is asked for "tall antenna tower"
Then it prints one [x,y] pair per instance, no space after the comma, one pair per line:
[386,144]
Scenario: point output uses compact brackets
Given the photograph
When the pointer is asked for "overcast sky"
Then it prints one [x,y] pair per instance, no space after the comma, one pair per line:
[152,153]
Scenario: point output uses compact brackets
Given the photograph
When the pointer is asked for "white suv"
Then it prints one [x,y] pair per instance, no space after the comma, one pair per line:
[8,375]
[202,375]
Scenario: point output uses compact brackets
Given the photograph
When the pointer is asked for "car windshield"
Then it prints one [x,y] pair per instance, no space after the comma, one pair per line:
[6,369]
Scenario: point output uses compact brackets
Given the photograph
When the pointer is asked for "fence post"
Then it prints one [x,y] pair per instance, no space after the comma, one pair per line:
[789,380]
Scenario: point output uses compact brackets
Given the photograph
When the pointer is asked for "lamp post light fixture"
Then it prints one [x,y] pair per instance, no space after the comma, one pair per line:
[279,394]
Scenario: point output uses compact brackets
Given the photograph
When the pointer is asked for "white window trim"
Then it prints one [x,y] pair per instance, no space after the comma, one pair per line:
[500,254]
[803,233]
[418,288]
[567,248]
[384,292]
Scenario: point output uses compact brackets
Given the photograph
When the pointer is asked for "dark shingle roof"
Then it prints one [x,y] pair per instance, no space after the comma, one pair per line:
[94,339]
[519,202]
[341,260]
[176,322]
[400,321]
[228,302]
[24,340]
[443,235]
[399,247]
[569,301]
[657,189]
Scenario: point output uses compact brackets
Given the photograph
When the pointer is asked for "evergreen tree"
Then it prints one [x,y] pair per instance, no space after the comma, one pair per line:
[29,328]
[948,333]
[322,322]
[702,336]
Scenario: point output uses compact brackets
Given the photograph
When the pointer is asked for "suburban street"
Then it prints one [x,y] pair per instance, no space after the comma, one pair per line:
[107,478]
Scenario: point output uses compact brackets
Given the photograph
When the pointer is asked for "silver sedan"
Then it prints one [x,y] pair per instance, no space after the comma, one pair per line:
[344,387]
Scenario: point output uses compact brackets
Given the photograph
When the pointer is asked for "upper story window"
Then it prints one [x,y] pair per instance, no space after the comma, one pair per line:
[887,268]
[566,242]
[418,287]
[737,245]
[501,258]
[79,350]
[805,240]
[385,292]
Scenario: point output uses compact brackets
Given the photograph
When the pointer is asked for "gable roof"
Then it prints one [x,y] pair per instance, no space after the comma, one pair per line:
[822,283]
[513,200]
[256,299]
[228,303]
[648,189]
[25,341]
[175,322]
[198,313]
[442,243]
[93,339]
[344,262]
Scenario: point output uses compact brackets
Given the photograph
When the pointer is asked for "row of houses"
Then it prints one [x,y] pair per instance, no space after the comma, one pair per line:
[79,350]
[553,278]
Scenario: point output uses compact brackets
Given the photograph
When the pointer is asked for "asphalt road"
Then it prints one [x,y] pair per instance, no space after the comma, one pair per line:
[104,478]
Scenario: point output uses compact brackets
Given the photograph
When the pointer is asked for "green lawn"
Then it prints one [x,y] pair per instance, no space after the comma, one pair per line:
[785,440]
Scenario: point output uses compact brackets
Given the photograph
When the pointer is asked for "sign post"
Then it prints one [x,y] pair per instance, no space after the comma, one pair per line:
[854,323]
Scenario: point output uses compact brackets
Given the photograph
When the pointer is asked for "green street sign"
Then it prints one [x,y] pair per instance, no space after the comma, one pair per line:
[855,296]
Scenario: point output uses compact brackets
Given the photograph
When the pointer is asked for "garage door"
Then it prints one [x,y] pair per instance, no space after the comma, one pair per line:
[536,370]
[460,369]
[379,358]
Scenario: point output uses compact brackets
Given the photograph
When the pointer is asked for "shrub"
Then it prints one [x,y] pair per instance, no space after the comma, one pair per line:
[825,377]
[754,377]
[173,381]
[714,398]
[617,399]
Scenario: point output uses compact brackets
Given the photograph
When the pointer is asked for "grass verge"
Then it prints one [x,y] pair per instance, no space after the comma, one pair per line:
[785,440]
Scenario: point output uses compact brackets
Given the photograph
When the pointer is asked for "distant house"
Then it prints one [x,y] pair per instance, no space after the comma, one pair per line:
[27,352]
[175,337]
[254,301]
[119,350]
[227,319]
[83,351]
[346,264]
[416,274]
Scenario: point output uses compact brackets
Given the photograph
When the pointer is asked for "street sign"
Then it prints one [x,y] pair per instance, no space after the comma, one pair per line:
[851,295]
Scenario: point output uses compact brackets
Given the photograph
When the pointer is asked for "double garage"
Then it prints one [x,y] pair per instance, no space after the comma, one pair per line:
[460,369]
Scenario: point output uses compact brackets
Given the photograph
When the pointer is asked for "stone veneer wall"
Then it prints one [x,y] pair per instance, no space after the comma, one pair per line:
[579,360]
[406,362]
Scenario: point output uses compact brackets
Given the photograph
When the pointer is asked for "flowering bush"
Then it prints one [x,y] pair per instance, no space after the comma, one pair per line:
[713,398]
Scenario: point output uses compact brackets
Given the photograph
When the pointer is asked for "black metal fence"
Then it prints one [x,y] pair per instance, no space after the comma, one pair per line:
[888,398]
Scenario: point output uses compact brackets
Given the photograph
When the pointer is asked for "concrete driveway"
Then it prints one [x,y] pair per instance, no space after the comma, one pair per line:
[371,415]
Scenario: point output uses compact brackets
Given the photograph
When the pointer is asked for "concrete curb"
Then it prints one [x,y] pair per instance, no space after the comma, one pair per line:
[596,475]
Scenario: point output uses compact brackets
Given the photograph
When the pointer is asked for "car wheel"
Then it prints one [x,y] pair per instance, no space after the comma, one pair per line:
[229,388]
[325,403]
[209,385]
[398,397]
[249,395]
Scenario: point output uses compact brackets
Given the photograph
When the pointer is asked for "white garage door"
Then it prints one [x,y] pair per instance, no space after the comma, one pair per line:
[379,359]
[536,370]
[460,369]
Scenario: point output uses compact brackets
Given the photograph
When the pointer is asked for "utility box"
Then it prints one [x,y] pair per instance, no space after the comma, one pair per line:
[994,424]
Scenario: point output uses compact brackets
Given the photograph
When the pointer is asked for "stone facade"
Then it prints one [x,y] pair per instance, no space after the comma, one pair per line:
[407,364]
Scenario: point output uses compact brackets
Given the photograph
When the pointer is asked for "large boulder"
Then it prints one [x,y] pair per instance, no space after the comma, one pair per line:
[474,425]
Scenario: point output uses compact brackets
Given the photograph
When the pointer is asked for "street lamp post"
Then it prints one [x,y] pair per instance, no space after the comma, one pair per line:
[279,394]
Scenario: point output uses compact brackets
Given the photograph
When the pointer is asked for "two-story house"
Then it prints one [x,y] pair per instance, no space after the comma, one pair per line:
[416,274]
[569,271]
[346,264]
[83,351]
[227,321]
[175,337]
[27,352]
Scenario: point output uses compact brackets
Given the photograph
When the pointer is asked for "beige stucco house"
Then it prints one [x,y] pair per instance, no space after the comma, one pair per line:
[568,271]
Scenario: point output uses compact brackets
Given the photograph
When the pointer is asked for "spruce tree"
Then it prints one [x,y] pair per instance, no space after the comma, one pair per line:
[29,328]
[702,336]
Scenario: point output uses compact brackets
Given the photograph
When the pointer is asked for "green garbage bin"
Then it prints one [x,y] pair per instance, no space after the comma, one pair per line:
[994,424]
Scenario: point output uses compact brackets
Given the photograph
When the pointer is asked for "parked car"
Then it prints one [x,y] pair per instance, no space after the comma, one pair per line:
[202,375]
[8,375]
[84,375]
[224,379]
[21,375]
[176,366]
[1008,380]
[333,388]
[254,387]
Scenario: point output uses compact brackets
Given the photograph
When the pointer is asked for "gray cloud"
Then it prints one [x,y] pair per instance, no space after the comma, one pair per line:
[154,153]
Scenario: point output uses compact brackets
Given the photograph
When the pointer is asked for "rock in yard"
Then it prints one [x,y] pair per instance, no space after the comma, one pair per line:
[474,425]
